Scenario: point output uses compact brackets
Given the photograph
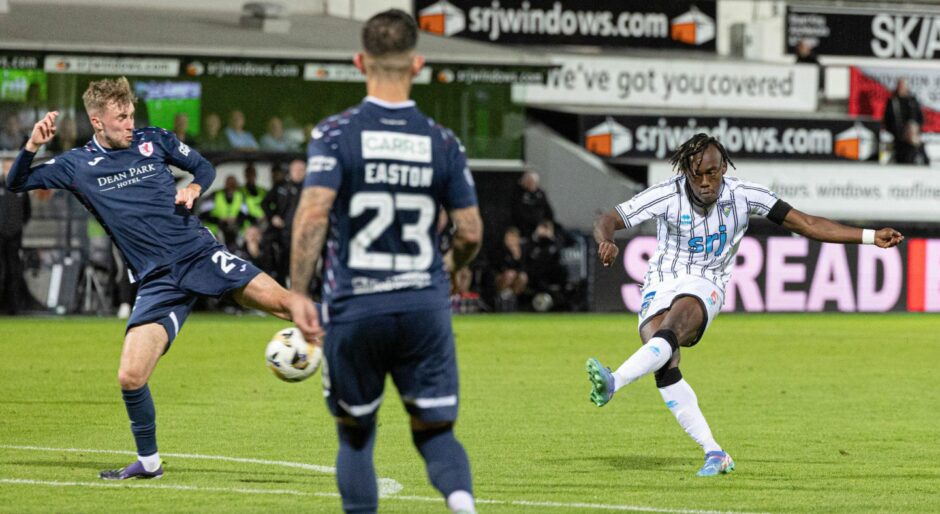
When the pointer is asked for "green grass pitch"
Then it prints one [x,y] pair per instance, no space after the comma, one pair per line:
[822,413]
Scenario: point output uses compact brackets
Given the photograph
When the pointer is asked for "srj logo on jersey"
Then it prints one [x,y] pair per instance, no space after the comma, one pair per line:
[706,244]
[145,148]
[380,144]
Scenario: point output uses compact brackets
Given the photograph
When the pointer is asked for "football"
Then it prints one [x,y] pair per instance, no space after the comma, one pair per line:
[291,357]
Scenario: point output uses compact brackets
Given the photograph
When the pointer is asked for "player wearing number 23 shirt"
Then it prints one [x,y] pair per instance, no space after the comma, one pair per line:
[378,175]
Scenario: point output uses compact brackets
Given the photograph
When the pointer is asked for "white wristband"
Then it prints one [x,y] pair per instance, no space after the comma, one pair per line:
[868,236]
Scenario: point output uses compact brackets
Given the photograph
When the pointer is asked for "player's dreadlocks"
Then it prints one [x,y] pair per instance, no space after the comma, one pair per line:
[681,160]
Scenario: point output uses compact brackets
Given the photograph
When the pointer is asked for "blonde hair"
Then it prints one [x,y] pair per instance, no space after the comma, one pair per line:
[102,92]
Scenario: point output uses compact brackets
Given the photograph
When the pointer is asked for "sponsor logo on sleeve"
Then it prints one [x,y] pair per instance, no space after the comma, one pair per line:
[319,163]
[184,149]
[395,146]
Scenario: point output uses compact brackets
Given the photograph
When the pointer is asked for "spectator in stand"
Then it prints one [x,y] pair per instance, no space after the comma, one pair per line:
[225,213]
[547,276]
[66,135]
[530,204]
[279,206]
[212,138]
[238,137]
[910,148]
[14,214]
[901,109]
[181,127]
[11,135]
[275,139]
[34,109]
[253,249]
[278,174]
[254,194]
[806,54]
[511,278]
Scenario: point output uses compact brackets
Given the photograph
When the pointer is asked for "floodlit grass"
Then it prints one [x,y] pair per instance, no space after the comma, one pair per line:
[825,413]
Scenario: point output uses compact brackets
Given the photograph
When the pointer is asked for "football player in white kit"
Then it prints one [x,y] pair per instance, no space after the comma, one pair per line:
[701,216]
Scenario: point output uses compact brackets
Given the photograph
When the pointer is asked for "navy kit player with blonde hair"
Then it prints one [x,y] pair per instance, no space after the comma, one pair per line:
[122,178]
[378,175]
[701,215]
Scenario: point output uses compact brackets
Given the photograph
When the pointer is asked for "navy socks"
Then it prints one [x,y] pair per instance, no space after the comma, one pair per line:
[143,418]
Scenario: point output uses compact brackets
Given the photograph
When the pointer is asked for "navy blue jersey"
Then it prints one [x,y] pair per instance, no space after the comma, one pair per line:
[131,192]
[393,169]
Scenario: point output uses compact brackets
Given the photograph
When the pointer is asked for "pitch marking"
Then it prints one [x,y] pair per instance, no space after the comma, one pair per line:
[387,486]
[388,494]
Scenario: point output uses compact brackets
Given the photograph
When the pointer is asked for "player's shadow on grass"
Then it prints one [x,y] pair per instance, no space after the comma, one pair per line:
[633,462]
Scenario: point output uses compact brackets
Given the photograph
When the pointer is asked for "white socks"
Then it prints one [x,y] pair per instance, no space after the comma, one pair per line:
[681,400]
[151,462]
[461,502]
[649,358]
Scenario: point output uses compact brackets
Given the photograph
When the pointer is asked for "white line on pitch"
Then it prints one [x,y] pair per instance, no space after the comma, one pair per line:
[290,492]
[386,482]
[113,485]
[387,486]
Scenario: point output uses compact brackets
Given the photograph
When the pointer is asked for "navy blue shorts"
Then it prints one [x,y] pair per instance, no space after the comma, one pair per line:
[167,296]
[415,348]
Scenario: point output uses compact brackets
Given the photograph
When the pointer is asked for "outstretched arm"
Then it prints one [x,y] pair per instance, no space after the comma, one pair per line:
[52,174]
[604,227]
[828,231]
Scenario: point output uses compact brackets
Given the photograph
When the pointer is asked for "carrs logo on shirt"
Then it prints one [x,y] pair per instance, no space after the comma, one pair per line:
[379,144]
[145,148]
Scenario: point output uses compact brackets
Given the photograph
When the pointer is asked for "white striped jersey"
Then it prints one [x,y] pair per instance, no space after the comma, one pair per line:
[690,241]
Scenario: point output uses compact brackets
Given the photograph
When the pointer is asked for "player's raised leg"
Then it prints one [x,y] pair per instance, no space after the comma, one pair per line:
[143,346]
[654,354]
[265,294]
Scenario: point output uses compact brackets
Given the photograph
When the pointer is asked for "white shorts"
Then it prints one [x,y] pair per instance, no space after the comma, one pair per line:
[658,298]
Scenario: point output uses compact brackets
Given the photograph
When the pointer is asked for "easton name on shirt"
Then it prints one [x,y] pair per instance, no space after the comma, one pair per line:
[396,146]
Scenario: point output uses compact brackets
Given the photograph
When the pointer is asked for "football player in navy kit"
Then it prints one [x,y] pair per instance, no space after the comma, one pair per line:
[377,176]
[122,177]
